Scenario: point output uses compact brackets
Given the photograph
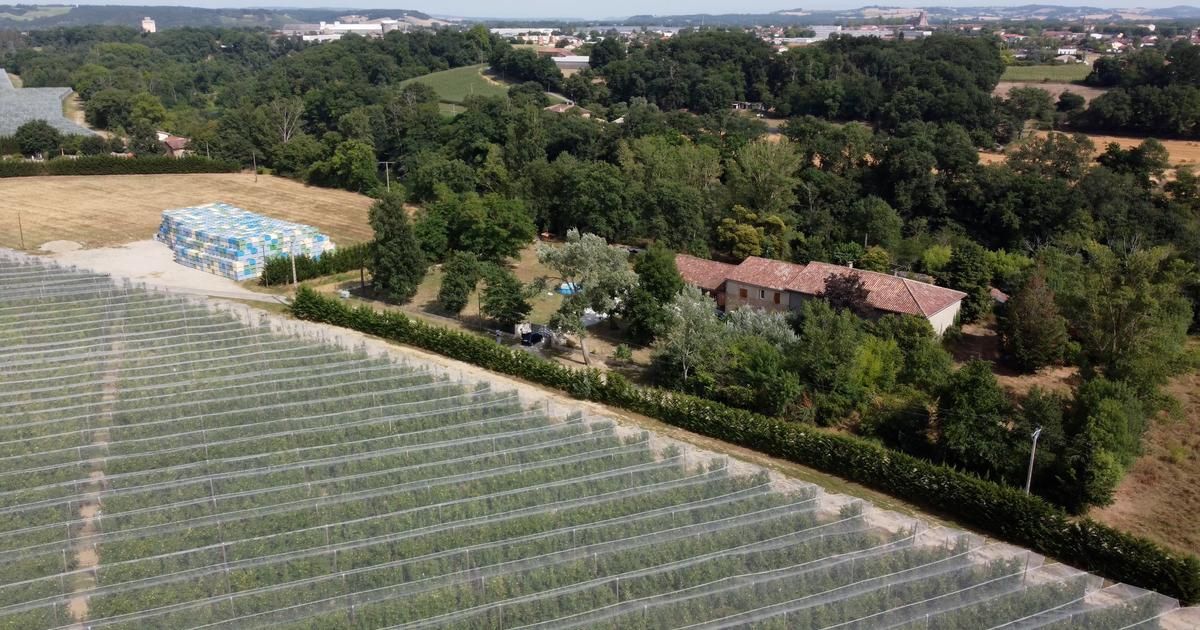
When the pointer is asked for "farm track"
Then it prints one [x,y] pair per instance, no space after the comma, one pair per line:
[86,556]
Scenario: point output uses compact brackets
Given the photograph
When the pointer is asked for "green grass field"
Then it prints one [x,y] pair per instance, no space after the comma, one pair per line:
[1059,73]
[454,86]
[34,13]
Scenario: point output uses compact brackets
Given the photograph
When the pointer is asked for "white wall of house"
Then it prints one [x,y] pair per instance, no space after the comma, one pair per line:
[758,297]
[944,318]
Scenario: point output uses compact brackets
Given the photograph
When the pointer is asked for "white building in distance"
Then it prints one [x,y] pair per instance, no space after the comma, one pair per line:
[148,25]
[331,31]
[572,62]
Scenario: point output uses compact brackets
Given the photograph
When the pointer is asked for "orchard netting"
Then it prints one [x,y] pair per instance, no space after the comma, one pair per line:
[165,464]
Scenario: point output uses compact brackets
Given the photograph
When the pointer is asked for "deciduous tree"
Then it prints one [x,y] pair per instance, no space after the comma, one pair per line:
[460,273]
[693,341]
[658,283]
[763,176]
[968,272]
[845,291]
[973,419]
[600,277]
[37,137]
[503,298]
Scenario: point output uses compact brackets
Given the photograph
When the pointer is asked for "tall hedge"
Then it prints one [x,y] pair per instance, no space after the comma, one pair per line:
[109,165]
[278,270]
[1002,511]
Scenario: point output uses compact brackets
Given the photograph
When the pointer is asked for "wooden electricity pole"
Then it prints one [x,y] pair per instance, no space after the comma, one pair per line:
[387,174]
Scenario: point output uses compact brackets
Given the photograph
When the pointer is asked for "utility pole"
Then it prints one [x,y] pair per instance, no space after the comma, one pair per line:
[1032,452]
[292,255]
[387,174]
[254,161]
[21,229]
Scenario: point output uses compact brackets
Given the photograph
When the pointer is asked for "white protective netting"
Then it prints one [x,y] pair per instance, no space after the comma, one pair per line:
[165,465]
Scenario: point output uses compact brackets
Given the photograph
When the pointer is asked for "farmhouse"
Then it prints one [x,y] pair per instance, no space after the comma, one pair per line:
[562,108]
[174,146]
[775,285]
[19,106]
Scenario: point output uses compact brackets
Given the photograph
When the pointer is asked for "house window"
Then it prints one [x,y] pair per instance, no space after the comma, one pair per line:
[776,297]
[762,294]
[742,293]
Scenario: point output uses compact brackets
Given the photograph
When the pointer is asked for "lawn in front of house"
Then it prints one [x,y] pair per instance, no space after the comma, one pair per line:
[601,342]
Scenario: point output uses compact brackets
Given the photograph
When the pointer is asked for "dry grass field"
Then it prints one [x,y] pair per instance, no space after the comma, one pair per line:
[1185,153]
[1160,497]
[1053,87]
[98,211]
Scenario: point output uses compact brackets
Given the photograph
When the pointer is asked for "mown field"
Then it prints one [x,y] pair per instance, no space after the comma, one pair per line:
[163,465]
[98,211]
[1062,73]
[454,86]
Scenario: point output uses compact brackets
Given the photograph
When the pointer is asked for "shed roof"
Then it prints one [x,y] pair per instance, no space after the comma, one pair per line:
[701,272]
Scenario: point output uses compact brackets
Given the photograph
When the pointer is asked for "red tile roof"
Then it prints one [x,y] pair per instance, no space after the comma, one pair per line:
[705,274]
[885,292]
[175,143]
[560,108]
[766,273]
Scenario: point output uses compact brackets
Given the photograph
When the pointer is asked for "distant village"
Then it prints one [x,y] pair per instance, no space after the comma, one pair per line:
[1080,43]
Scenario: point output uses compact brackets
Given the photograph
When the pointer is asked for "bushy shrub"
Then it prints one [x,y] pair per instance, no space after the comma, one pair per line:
[1005,512]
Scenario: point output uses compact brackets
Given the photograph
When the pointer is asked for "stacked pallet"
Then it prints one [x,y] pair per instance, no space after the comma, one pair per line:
[232,242]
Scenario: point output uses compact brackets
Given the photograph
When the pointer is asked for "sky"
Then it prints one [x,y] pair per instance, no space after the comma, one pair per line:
[613,8]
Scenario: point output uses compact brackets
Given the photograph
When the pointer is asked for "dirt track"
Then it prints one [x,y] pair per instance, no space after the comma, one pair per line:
[1088,93]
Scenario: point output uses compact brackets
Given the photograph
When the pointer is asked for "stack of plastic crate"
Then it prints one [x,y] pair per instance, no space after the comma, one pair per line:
[228,241]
